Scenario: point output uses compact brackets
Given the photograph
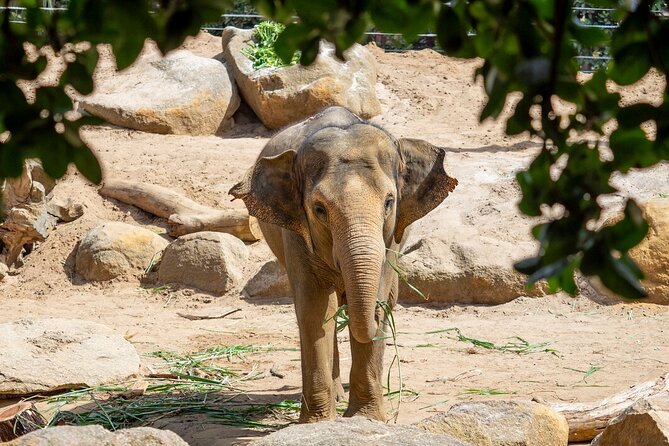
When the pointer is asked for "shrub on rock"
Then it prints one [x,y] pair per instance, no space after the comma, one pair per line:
[117,250]
[46,355]
[283,96]
[210,261]
[181,93]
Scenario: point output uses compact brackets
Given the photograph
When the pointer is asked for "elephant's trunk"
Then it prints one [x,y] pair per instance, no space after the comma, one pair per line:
[361,254]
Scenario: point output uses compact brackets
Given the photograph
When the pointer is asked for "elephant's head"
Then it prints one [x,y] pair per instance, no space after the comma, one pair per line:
[349,192]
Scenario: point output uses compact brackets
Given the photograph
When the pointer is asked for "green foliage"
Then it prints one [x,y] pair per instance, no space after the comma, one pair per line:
[261,51]
[528,47]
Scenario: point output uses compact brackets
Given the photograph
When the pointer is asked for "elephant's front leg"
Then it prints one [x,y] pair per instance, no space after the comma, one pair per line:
[366,388]
[314,306]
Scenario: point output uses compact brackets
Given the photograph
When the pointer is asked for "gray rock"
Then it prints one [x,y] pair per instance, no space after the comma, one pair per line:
[501,423]
[645,423]
[283,96]
[355,431]
[117,250]
[98,436]
[54,354]
[210,261]
[180,93]
[269,281]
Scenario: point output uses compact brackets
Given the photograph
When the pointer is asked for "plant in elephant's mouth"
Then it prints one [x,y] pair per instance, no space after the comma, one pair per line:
[341,322]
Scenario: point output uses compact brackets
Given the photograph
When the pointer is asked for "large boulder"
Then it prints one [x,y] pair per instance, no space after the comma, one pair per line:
[645,423]
[270,280]
[652,255]
[283,96]
[117,249]
[355,431]
[464,250]
[53,354]
[501,423]
[210,261]
[97,435]
[180,93]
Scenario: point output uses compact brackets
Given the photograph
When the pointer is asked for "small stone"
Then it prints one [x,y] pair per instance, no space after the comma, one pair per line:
[209,261]
[269,281]
[117,250]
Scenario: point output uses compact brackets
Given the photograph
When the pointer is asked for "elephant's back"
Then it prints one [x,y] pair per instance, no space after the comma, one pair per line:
[291,138]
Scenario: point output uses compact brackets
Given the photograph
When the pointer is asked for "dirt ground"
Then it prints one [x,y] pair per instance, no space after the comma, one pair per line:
[423,95]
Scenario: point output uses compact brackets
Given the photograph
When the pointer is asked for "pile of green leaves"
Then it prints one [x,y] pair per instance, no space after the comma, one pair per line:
[261,51]
[200,383]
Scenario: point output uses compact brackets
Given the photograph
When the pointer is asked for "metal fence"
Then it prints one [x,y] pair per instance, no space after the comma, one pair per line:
[587,16]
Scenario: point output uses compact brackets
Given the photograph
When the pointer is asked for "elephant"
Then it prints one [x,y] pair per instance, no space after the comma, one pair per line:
[334,195]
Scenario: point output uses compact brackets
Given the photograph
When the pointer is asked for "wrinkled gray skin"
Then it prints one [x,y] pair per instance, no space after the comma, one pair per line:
[334,195]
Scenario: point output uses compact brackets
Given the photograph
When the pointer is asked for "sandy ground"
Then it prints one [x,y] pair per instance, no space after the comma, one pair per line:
[423,95]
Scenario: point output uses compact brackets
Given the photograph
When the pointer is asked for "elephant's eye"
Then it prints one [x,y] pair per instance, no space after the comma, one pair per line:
[320,212]
[389,203]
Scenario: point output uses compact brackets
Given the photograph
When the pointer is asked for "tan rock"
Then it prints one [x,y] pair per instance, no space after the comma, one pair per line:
[45,355]
[455,266]
[117,249]
[283,96]
[645,423]
[97,435]
[652,256]
[269,281]
[501,423]
[210,261]
[180,93]
[356,431]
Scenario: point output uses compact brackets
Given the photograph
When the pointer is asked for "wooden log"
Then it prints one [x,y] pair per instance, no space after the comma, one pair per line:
[586,420]
[184,216]
[19,419]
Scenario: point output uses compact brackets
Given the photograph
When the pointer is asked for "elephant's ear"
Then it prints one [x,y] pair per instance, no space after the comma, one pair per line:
[424,183]
[271,194]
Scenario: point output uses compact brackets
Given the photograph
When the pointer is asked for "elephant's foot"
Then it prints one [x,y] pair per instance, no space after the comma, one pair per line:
[308,416]
[372,411]
[317,409]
